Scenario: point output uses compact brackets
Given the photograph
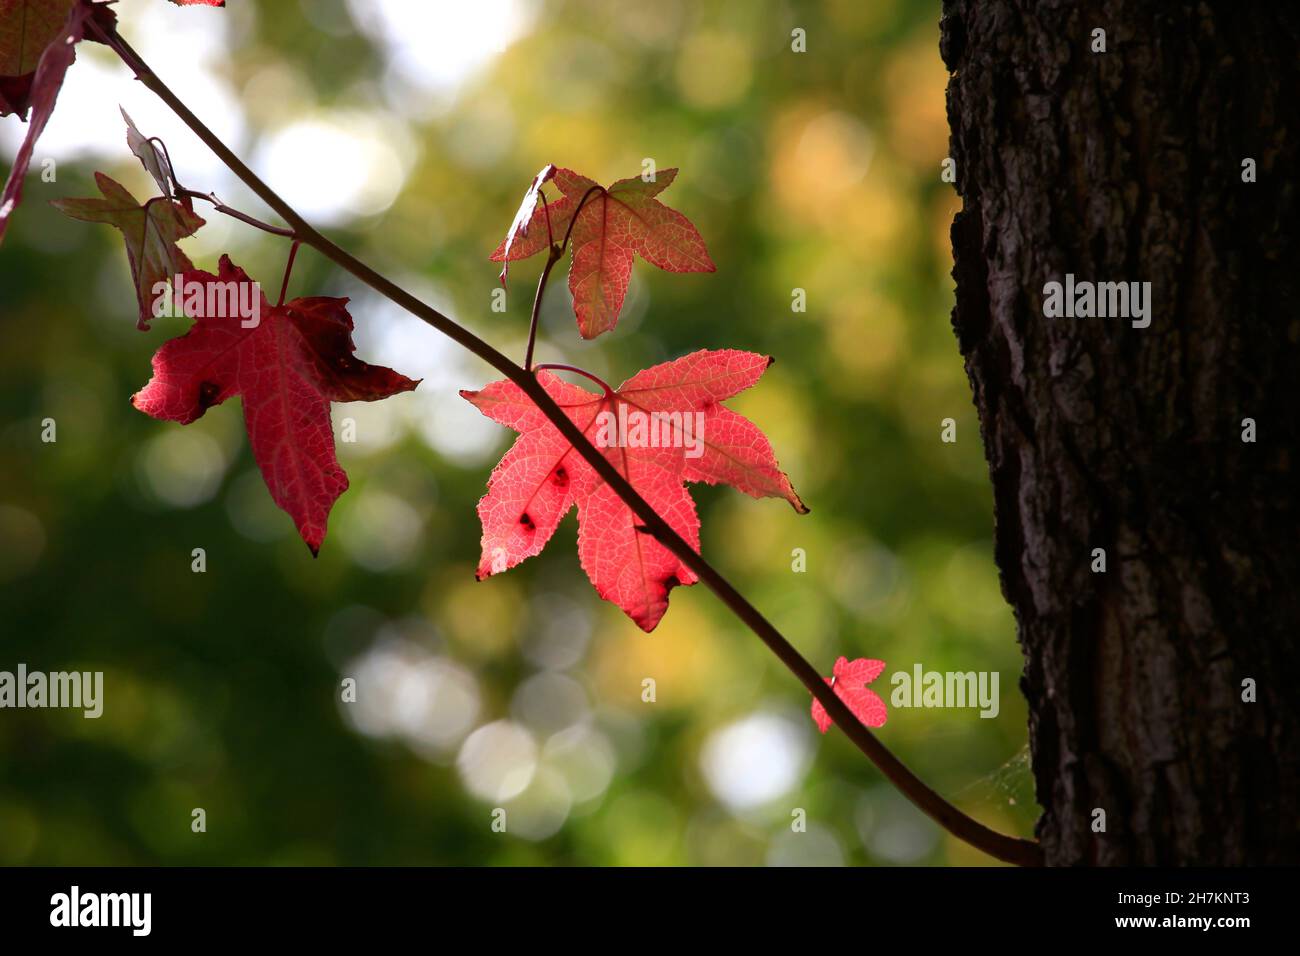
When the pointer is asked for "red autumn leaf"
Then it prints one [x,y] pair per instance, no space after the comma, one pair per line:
[150,231]
[288,366]
[541,477]
[612,226]
[850,681]
[45,83]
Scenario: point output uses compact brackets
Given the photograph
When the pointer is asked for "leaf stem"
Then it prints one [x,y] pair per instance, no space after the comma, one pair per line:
[243,217]
[173,185]
[546,208]
[288,271]
[557,367]
[553,255]
[957,823]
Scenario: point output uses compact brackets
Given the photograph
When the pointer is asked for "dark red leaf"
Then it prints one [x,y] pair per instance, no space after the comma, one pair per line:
[288,368]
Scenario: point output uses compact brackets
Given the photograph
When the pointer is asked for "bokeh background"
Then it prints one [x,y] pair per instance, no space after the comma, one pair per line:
[409,131]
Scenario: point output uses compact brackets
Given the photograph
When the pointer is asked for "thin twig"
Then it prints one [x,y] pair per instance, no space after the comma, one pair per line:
[233,213]
[1000,846]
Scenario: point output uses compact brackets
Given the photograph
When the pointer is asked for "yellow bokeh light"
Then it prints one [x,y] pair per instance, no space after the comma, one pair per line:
[681,656]
[481,624]
[714,70]
[915,84]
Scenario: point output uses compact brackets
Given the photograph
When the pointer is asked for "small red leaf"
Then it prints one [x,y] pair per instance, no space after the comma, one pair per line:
[613,225]
[850,682]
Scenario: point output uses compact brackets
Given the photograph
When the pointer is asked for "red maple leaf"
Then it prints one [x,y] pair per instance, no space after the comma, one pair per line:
[288,367]
[614,224]
[541,477]
[850,681]
[23,23]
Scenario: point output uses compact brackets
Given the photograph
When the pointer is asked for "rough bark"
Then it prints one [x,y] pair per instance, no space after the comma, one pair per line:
[1127,166]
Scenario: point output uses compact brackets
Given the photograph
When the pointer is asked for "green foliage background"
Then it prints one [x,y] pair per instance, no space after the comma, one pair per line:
[818,171]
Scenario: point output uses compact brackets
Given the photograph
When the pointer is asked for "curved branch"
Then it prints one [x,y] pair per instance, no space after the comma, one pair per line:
[1000,846]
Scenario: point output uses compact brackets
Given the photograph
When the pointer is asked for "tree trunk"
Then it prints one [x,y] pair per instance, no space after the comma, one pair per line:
[1127,166]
